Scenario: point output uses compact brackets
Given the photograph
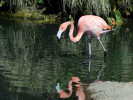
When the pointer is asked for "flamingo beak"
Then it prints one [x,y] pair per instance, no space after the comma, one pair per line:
[58,88]
[59,34]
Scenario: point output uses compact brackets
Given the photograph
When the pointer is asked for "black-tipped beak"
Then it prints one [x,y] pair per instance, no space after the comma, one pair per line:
[59,34]
[112,29]
[58,40]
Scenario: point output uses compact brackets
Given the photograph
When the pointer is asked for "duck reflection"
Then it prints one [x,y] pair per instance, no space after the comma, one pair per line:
[79,89]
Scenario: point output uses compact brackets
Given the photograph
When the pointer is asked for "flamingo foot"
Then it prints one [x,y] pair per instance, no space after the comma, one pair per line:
[105,54]
[58,40]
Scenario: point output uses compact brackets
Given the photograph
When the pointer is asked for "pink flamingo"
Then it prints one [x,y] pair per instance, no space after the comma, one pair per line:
[89,24]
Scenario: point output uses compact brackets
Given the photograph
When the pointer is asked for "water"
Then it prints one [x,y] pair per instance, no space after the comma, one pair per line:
[32,61]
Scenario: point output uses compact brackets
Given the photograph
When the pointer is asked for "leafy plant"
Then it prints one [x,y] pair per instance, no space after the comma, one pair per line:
[118,16]
[1,3]
[131,8]
[40,1]
[71,18]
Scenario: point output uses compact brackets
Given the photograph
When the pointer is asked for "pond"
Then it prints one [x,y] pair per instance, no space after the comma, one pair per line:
[32,61]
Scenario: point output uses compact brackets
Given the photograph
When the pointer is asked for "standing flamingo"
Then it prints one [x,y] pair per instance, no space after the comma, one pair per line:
[89,24]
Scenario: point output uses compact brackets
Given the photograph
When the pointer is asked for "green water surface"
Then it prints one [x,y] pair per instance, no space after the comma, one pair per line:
[32,61]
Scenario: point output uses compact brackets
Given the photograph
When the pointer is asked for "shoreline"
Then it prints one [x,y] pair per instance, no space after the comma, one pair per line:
[46,18]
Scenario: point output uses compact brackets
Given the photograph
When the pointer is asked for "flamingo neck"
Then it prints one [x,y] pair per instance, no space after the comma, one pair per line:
[79,34]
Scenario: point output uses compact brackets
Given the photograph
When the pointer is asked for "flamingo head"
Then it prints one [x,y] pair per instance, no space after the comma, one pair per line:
[104,28]
[62,28]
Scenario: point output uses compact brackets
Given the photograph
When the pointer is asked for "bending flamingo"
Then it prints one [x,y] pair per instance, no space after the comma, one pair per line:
[89,24]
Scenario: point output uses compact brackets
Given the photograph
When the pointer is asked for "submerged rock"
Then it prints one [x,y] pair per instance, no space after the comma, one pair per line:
[111,90]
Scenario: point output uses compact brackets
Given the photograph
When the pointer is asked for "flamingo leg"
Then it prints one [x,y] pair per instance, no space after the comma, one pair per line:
[105,52]
[89,38]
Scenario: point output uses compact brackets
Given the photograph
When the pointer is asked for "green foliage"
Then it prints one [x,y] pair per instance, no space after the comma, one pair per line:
[40,1]
[1,3]
[126,3]
[118,16]
[131,8]
[109,20]
[71,18]
[127,6]
[99,7]
[113,3]
[104,8]
[117,30]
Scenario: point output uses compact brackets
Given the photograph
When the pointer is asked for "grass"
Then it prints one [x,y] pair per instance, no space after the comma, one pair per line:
[99,7]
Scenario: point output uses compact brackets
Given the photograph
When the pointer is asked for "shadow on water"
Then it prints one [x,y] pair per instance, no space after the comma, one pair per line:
[32,61]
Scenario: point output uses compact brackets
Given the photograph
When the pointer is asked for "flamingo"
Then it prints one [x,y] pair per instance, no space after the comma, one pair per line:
[89,24]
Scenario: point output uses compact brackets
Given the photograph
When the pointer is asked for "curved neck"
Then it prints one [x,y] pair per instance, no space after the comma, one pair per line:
[79,34]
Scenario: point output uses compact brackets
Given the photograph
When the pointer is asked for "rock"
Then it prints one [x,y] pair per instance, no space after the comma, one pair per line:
[111,90]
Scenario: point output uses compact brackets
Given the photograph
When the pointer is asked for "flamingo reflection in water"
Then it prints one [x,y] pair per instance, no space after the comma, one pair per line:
[99,72]
[79,89]
[79,86]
